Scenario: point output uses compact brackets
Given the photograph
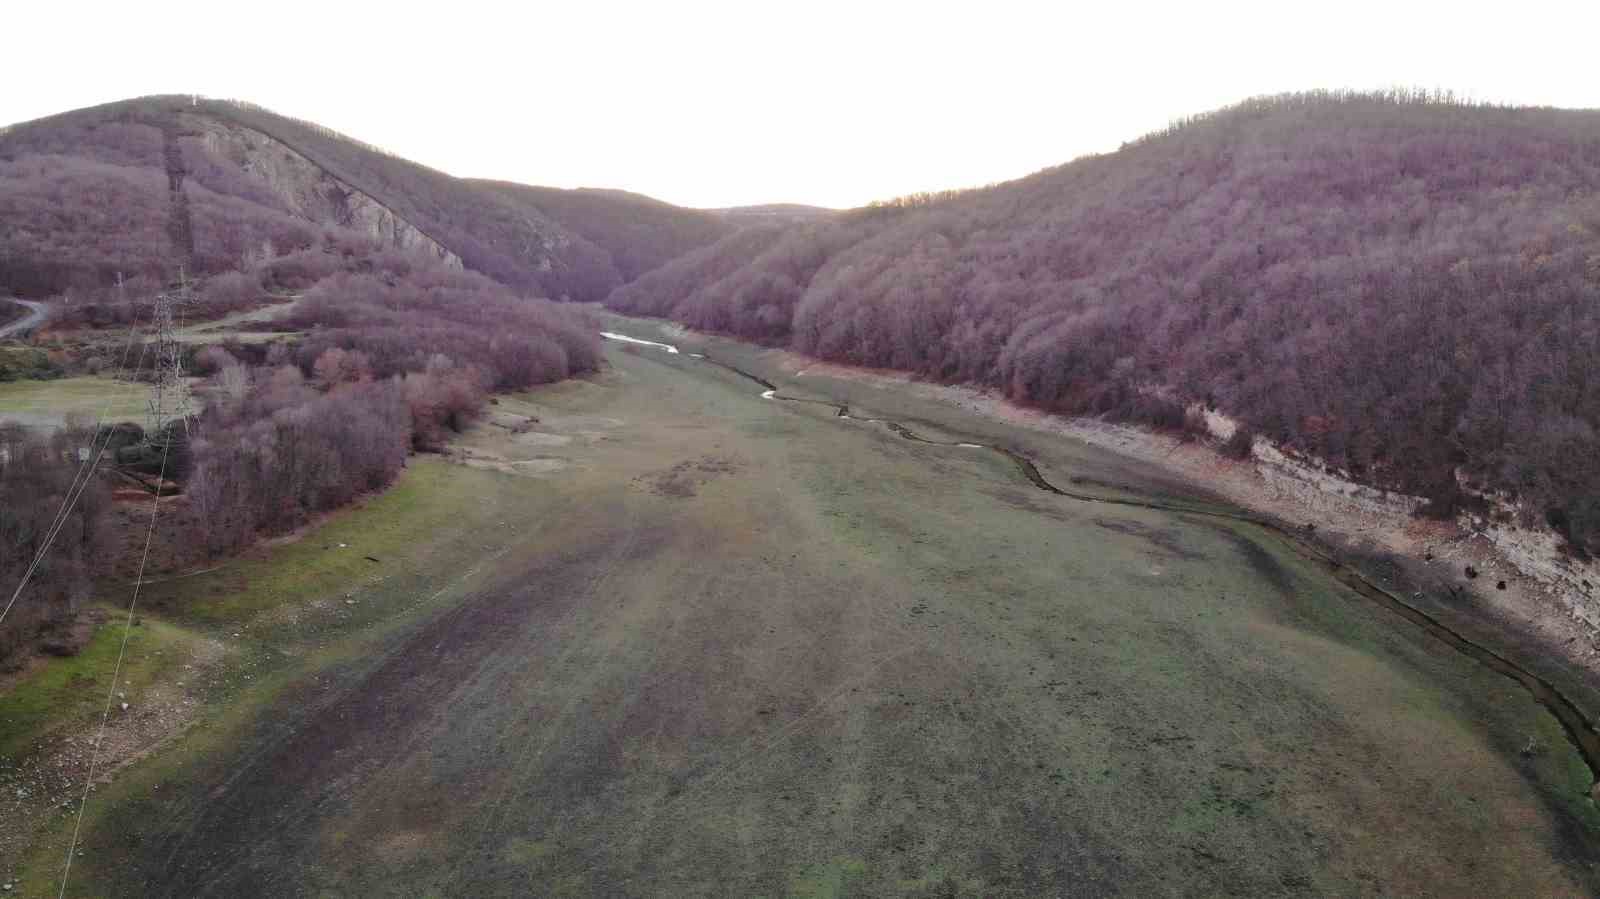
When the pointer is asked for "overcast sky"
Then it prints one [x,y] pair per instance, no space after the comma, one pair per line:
[831,103]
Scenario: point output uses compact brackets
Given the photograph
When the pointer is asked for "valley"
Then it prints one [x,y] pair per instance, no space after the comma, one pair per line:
[648,632]
[1218,515]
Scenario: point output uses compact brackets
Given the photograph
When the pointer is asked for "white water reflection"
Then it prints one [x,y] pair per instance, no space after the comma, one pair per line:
[626,339]
[768,394]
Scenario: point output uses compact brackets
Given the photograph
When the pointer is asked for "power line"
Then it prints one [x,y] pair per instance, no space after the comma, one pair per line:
[116,672]
[77,488]
[74,491]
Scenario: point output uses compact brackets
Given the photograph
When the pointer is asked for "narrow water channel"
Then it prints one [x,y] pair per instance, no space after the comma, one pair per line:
[1578,728]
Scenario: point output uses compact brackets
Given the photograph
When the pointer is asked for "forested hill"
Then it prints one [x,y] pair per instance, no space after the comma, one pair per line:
[1406,286]
[638,233]
[774,213]
[141,185]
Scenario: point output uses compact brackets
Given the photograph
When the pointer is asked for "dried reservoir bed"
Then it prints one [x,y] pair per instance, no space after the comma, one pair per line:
[698,642]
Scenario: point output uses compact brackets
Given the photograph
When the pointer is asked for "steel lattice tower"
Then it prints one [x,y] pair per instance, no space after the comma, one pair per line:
[169,392]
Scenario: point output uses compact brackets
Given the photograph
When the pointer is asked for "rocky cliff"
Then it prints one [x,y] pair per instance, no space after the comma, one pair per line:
[306,189]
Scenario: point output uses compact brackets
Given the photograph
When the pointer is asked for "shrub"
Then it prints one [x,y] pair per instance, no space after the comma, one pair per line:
[302,453]
[211,359]
[231,291]
[315,425]
[36,474]
[1241,444]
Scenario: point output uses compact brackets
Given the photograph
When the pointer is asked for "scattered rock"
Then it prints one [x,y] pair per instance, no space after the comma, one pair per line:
[1500,586]
[1471,572]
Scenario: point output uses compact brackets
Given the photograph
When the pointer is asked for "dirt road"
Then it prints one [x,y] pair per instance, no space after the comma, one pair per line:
[38,314]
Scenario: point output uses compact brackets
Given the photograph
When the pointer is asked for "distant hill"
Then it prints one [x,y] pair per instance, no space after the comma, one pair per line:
[637,232]
[1404,286]
[774,213]
[140,186]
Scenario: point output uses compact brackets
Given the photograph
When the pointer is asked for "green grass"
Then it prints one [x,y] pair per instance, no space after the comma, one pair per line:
[72,690]
[431,500]
[47,404]
[830,880]
[429,531]
[737,647]
[22,362]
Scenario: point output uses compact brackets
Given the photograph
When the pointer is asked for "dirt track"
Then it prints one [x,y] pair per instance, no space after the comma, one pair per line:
[737,647]
[37,314]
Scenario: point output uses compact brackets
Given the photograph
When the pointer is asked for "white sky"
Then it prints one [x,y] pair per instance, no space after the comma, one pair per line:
[810,101]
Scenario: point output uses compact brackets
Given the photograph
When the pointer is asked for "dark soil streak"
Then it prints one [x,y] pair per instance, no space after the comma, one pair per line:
[1259,560]
[1585,738]
[353,733]
[1161,539]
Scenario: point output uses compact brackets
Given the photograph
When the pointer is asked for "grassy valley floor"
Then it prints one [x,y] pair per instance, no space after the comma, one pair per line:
[650,634]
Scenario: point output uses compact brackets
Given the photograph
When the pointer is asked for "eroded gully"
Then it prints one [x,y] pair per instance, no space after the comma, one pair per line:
[1578,728]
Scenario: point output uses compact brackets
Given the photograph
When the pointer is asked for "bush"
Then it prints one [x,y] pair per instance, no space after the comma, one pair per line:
[26,363]
[400,357]
[399,319]
[1241,445]
[35,475]
[287,453]
[440,401]
[230,291]
[211,359]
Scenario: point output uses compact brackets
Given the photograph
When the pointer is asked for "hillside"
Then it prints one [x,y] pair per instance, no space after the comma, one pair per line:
[637,232]
[775,213]
[435,586]
[1406,287]
[141,185]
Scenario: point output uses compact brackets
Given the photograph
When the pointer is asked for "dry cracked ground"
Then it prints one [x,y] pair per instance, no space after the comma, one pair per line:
[686,641]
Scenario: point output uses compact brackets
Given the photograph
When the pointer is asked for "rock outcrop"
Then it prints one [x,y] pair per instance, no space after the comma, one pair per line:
[308,190]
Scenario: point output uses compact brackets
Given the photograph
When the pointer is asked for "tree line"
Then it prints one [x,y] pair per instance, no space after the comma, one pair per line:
[1403,285]
[400,353]
[87,192]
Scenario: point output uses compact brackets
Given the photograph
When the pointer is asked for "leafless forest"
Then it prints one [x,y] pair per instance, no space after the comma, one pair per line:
[1401,284]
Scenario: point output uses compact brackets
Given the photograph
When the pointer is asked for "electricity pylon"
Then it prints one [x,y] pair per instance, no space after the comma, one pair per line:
[169,392]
